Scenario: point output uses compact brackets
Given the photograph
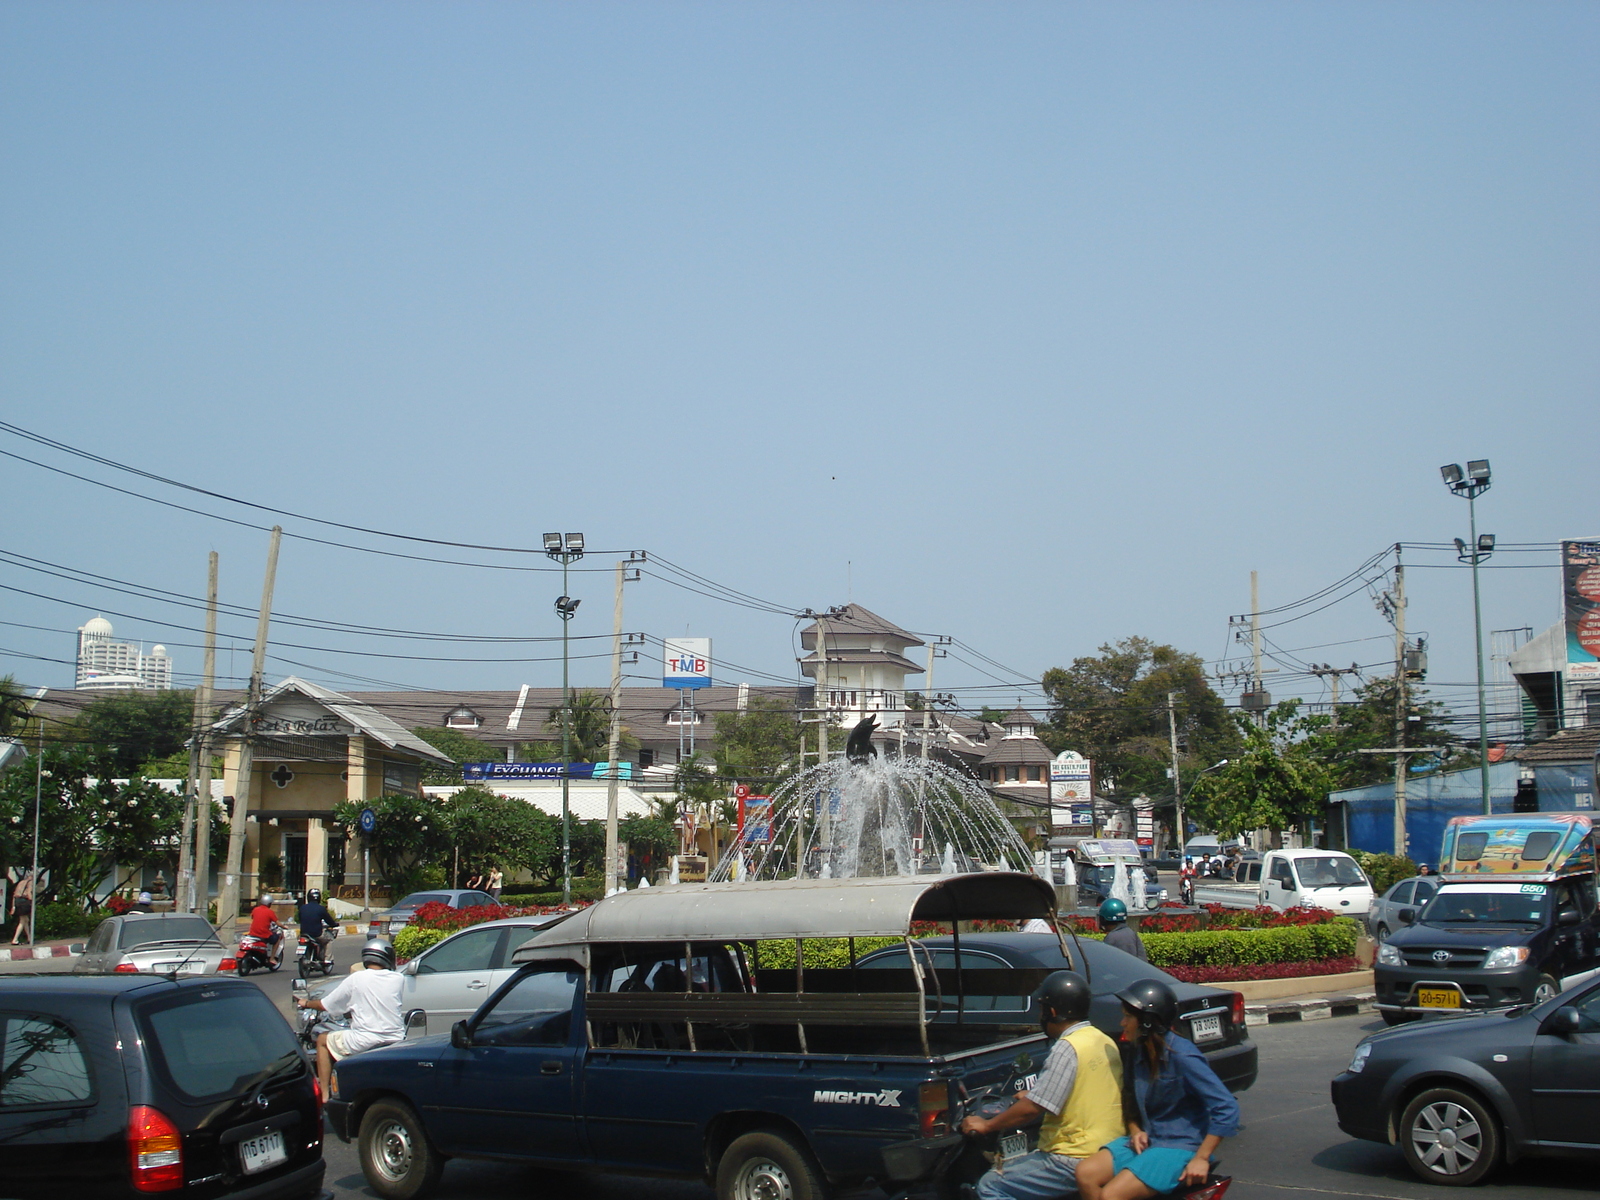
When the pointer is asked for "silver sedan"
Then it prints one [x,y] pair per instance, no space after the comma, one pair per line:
[154,944]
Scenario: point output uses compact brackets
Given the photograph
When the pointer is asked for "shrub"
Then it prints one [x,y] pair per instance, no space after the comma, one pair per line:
[820,952]
[1252,947]
[62,920]
[411,941]
[528,893]
[1385,870]
[442,916]
[1287,970]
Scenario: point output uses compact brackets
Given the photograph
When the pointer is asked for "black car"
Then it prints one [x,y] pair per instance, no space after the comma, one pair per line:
[1462,1095]
[123,1085]
[1211,1018]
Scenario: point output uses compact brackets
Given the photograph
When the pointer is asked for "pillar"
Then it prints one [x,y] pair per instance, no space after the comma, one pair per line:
[316,855]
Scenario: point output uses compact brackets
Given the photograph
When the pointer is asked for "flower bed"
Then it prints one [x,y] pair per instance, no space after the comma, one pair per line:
[1284,970]
[432,923]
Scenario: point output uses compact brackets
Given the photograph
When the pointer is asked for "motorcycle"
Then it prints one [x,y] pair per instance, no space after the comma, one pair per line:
[255,953]
[310,955]
[309,1022]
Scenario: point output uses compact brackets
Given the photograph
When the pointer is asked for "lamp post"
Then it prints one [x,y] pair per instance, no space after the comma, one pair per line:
[565,551]
[1472,484]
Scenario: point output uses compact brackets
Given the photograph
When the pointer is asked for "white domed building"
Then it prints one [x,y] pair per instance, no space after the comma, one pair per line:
[106,665]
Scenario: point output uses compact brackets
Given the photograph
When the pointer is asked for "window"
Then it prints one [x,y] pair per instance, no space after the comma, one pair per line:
[471,951]
[1589,1010]
[678,716]
[1425,891]
[842,699]
[1329,872]
[1403,891]
[647,758]
[209,1044]
[463,718]
[1469,846]
[537,1011]
[40,1063]
[401,778]
[945,960]
[1539,845]
[1591,706]
[1280,871]
[137,932]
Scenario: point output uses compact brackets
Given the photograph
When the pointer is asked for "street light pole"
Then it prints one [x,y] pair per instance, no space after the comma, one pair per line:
[566,552]
[1473,485]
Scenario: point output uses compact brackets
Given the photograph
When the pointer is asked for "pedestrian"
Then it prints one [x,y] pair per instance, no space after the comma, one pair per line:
[1078,1095]
[1177,1110]
[22,909]
[495,880]
[1424,869]
[1114,921]
[475,883]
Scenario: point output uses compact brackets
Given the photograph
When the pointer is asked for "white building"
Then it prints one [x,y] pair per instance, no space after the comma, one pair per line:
[105,665]
[861,666]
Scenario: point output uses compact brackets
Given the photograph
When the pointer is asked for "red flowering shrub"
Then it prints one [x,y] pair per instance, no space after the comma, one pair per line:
[118,903]
[1282,970]
[441,916]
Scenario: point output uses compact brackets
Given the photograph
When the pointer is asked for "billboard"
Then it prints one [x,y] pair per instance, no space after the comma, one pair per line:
[1580,594]
[1071,775]
[687,663]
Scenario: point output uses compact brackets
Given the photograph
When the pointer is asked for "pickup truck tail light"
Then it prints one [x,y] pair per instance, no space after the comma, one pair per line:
[155,1150]
[933,1108]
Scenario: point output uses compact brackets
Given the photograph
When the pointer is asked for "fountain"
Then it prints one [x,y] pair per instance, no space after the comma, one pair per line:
[870,815]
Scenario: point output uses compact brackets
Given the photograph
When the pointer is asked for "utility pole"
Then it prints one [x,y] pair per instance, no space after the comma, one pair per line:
[826,815]
[1333,673]
[1255,642]
[614,737]
[228,894]
[1177,784]
[1400,705]
[197,811]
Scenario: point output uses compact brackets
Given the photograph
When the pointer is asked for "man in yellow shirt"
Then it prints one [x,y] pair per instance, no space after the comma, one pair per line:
[1079,1095]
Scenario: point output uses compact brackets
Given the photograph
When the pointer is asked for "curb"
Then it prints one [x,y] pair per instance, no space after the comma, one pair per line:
[29,953]
[1313,1008]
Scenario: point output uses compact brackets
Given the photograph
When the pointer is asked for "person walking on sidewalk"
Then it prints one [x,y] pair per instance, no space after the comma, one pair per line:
[495,880]
[22,910]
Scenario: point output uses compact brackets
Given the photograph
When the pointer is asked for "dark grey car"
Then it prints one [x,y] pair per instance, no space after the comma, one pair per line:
[395,918]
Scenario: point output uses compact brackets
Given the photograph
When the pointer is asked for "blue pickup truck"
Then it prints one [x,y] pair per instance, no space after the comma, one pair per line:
[657,1032]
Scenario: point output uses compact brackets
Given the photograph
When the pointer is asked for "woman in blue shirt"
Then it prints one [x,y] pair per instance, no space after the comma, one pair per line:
[1177,1110]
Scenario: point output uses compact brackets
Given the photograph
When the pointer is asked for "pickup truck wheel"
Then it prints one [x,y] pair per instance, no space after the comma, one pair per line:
[1449,1136]
[1382,935]
[1545,989]
[396,1156]
[768,1166]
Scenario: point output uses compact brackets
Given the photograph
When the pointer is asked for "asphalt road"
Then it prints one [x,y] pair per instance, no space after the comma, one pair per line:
[1291,1148]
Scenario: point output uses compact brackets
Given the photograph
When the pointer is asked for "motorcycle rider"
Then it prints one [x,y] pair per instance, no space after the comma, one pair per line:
[1186,876]
[372,998]
[1114,923]
[1177,1110]
[264,925]
[1079,1095]
[317,925]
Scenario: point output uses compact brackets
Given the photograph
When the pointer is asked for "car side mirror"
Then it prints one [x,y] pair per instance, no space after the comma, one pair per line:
[76,948]
[1406,916]
[460,1036]
[1569,916]
[411,967]
[1564,1022]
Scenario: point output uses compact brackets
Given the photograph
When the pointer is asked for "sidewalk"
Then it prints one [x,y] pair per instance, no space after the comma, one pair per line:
[1307,1008]
[53,949]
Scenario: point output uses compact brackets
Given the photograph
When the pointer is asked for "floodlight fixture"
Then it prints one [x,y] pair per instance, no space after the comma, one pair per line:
[574,543]
[1485,543]
[552,541]
[1474,550]
[1451,473]
[1478,470]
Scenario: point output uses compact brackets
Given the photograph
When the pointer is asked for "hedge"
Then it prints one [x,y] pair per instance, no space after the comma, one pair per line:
[411,941]
[1244,947]
[820,952]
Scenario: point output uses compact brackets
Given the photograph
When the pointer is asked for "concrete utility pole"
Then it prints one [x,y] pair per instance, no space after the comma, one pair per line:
[1400,706]
[826,815]
[1177,784]
[228,895]
[1333,673]
[197,811]
[614,738]
[1255,642]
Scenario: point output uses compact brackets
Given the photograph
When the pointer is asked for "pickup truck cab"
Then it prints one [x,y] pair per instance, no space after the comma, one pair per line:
[1514,920]
[1286,879]
[663,1032]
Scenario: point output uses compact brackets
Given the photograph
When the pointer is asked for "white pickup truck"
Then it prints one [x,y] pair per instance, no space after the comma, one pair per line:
[1287,879]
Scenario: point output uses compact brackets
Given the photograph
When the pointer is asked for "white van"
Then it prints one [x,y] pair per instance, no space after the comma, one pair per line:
[1315,878]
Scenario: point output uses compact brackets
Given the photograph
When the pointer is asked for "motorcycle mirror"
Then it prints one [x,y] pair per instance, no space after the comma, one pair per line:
[459,1037]
[299,985]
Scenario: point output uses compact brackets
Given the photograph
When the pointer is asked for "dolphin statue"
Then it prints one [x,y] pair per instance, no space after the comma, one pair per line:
[860,748]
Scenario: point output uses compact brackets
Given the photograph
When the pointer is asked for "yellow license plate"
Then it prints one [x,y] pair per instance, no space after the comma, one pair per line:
[1438,998]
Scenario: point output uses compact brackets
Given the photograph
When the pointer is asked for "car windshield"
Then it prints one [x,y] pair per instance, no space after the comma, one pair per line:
[150,931]
[1329,872]
[418,899]
[1508,904]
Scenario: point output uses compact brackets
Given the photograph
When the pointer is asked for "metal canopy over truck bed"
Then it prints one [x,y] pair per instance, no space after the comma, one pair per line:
[1534,848]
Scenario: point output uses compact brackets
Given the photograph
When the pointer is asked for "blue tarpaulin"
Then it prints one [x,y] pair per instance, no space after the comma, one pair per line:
[1430,803]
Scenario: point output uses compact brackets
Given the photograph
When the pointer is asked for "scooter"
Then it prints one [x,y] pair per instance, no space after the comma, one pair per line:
[309,1022]
[255,953]
[311,955]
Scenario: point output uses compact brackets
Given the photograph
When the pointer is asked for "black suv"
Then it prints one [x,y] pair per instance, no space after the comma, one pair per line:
[121,1086]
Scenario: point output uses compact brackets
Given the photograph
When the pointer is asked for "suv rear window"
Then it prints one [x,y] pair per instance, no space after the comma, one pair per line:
[164,929]
[207,1043]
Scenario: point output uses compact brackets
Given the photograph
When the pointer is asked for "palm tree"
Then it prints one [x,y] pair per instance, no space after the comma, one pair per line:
[590,730]
[15,707]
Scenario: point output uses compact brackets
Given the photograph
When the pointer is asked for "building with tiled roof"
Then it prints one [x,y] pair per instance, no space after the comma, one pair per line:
[858,661]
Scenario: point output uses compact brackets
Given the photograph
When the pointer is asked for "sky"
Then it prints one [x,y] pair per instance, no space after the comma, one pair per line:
[1037,326]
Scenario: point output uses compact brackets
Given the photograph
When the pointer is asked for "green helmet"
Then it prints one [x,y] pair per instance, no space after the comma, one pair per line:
[1113,912]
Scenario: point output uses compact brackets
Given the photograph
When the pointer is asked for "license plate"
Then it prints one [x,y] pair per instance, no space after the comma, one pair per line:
[1013,1145]
[1438,998]
[264,1152]
[1206,1029]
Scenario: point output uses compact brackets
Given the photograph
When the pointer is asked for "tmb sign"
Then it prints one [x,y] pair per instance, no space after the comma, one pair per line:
[687,663]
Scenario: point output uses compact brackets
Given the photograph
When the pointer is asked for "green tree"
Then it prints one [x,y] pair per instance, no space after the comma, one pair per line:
[1368,723]
[762,743]
[14,708]
[411,837]
[590,729]
[458,746]
[487,830]
[1276,780]
[1112,708]
[134,727]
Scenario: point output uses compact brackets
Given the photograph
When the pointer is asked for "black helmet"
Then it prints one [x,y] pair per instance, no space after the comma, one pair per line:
[378,953]
[1066,994]
[314,896]
[1153,1001]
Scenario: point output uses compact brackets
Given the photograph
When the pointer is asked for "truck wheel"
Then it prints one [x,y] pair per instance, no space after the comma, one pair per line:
[1382,935]
[396,1156]
[1449,1136]
[768,1166]
[1545,989]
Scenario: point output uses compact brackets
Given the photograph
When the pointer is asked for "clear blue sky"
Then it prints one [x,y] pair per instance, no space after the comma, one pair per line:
[1038,325]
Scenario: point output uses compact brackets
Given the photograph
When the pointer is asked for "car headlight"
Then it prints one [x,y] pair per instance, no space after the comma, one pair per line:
[1389,956]
[1162,894]
[1506,956]
[1363,1052]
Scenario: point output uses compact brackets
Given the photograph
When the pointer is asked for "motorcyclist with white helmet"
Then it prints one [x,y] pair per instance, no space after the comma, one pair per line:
[372,999]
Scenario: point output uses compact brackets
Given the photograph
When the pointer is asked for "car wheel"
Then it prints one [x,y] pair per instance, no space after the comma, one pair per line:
[1450,1136]
[1545,989]
[1382,935]
[396,1156]
[1397,1018]
[768,1166]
